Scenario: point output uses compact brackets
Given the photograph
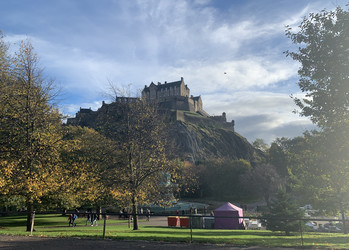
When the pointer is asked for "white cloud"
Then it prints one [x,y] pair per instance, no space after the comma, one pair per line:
[236,34]
[251,72]
[259,114]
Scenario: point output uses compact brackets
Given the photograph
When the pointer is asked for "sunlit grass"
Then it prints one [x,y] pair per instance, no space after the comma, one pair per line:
[57,226]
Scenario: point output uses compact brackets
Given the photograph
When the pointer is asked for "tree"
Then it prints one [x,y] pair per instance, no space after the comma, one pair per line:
[187,180]
[143,173]
[283,214]
[5,169]
[321,171]
[260,144]
[323,53]
[265,177]
[222,178]
[86,157]
[324,77]
[30,131]
[285,153]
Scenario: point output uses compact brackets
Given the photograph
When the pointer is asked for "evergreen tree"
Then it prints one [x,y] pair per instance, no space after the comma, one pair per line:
[283,214]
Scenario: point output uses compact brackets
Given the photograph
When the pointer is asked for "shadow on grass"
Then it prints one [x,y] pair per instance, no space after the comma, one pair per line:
[40,220]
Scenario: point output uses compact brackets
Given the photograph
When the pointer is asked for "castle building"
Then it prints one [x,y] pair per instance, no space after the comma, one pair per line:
[173,95]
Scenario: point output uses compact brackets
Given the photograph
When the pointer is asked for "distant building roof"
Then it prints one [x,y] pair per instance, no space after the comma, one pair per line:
[170,84]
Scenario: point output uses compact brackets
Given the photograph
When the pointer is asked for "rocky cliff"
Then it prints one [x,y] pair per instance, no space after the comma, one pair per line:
[196,142]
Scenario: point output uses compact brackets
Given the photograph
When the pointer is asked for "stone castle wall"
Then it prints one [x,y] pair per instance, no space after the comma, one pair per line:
[177,103]
[210,121]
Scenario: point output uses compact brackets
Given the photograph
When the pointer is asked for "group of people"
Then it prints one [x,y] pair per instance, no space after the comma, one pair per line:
[147,213]
[92,218]
[127,214]
[72,218]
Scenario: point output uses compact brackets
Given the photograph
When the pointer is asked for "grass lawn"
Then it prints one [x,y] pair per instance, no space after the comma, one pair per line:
[57,226]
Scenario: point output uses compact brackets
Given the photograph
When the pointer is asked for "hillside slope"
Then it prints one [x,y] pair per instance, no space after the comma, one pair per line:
[196,142]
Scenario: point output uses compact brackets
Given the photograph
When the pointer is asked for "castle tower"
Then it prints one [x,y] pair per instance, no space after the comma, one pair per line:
[163,91]
[173,95]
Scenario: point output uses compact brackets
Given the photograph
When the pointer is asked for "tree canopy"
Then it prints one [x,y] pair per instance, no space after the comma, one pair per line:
[323,40]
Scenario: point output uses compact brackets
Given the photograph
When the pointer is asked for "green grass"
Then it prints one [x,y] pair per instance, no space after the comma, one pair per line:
[57,226]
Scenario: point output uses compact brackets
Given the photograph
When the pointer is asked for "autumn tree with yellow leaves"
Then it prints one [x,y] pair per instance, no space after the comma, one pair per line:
[30,131]
[86,157]
[5,172]
[144,172]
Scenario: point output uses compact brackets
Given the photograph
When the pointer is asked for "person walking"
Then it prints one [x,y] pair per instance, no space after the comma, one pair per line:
[94,221]
[148,214]
[70,220]
[75,216]
[92,218]
[88,218]
[141,212]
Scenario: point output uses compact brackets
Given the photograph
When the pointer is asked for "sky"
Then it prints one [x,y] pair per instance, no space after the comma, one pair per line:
[230,52]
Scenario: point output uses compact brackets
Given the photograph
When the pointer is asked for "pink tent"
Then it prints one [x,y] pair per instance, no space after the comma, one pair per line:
[228,210]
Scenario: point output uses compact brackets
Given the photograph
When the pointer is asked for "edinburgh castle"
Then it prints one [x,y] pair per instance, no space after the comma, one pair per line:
[174,97]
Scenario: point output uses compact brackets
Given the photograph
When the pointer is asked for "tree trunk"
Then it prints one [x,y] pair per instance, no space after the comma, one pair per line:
[345,231]
[30,210]
[134,212]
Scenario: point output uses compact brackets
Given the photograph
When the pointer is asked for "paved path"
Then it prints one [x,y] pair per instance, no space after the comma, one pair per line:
[155,221]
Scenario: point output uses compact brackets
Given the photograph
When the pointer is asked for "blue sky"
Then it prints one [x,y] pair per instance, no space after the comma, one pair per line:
[84,44]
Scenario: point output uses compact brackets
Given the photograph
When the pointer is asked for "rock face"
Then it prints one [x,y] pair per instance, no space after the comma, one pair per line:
[196,142]
[194,137]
